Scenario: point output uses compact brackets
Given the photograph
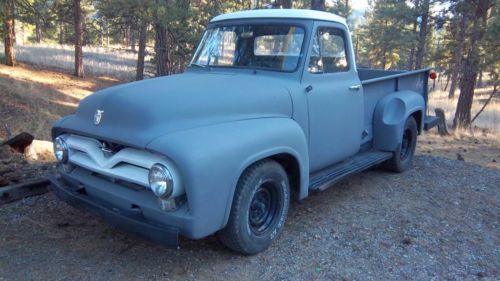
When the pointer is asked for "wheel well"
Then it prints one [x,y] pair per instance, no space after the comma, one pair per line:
[418,117]
[291,166]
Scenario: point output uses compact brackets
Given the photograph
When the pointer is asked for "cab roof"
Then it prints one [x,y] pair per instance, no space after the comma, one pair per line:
[281,13]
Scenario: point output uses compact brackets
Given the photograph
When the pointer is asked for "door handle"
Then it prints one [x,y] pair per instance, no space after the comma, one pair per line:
[355,87]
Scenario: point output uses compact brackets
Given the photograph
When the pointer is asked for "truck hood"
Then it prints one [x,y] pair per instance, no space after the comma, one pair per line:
[136,113]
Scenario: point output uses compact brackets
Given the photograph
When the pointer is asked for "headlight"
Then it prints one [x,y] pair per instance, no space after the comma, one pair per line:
[61,150]
[160,181]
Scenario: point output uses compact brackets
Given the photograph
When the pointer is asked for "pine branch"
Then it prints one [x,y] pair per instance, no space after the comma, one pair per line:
[493,93]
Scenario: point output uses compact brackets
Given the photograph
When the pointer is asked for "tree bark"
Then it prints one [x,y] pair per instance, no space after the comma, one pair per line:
[161,50]
[162,45]
[10,35]
[457,55]
[318,5]
[142,51]
[422,36]
[411,61]
[470,69]
[38,31]
[480,80]
[78,39]
[62,32]
[126,41]
[447,82]
[285,4]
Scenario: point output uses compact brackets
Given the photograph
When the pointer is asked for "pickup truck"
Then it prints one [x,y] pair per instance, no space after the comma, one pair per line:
[271,107]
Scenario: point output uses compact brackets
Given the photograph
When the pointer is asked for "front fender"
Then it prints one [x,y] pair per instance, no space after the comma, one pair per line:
[211,159]
[390,116]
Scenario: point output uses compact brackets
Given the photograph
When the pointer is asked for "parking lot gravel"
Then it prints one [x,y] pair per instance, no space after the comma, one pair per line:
[437,221]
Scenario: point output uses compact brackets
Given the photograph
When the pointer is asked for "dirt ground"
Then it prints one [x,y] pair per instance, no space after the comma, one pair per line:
[479,148]
[437,221]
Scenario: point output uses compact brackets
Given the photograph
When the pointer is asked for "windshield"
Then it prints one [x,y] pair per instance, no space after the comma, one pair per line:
[273,47]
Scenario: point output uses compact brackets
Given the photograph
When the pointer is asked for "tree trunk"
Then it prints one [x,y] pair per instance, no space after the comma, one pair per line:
[411,60]
[447,82]
[470,67]
[161,50]
[457,55]
[318,5]
[480,80]
[384,57]
[162,44]
[254,4]
[78,39]
[38,31]
[422,36]
[126,41]
[62,31]
[285,4]
[142,51]
[10,34]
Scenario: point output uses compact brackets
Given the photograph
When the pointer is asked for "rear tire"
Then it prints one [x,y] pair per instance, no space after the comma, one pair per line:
[403,156]
[259,210]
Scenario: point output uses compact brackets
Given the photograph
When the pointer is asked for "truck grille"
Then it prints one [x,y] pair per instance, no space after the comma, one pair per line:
[125,164]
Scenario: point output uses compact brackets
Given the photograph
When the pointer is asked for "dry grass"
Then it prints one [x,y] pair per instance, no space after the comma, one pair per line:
[489,118]
[31,99]
[474,147]
[98,61]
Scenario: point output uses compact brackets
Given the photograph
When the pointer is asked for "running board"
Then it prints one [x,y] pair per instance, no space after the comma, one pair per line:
[327,177]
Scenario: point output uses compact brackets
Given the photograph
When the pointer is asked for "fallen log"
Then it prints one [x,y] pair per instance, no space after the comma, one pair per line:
[19,191]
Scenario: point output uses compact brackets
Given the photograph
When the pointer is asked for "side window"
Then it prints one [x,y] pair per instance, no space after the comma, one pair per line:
[328,51]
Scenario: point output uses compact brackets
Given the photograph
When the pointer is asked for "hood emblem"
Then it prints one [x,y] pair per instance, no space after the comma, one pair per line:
[98,117]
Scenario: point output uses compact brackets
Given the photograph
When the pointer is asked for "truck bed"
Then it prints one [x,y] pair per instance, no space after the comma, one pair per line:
[378,83]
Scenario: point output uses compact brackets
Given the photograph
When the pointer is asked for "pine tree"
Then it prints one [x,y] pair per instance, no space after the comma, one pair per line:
[477,11]
[385,36]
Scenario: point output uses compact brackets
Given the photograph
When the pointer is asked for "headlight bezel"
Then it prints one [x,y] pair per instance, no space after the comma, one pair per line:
[162,187]
[61,150]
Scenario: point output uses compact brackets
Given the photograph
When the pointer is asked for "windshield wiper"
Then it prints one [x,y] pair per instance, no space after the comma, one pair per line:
[198,65]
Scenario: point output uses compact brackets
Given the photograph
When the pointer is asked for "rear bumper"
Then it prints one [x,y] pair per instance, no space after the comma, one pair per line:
[430,122]
[131,220]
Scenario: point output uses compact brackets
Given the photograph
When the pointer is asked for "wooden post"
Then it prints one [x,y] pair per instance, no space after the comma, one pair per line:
[442,127]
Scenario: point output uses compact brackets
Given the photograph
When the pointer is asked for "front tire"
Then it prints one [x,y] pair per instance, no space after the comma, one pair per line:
[403,156]
[259,210]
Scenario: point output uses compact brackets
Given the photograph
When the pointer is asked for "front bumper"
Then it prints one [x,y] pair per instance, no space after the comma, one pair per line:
[129,219]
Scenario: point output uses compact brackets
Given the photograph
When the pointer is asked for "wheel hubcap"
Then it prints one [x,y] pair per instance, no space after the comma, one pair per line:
[263,208]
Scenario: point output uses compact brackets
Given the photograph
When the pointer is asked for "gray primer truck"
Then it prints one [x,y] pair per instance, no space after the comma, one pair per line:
[272,105]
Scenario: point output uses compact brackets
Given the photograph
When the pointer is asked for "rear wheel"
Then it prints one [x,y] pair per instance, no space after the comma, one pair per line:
[259,209]
[403,157]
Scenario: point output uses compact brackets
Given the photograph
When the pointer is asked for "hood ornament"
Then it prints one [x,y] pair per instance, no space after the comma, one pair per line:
[98,117]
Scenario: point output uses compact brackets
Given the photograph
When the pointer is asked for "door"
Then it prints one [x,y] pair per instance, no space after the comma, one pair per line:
[335,97]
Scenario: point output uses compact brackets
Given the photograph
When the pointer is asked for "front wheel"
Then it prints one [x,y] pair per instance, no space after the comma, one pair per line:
[403,156]
[259,209]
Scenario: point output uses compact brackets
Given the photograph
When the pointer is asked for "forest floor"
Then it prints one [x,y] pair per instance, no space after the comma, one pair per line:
[438,220]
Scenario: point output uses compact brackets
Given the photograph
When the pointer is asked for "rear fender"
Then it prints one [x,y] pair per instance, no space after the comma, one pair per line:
[390,116]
